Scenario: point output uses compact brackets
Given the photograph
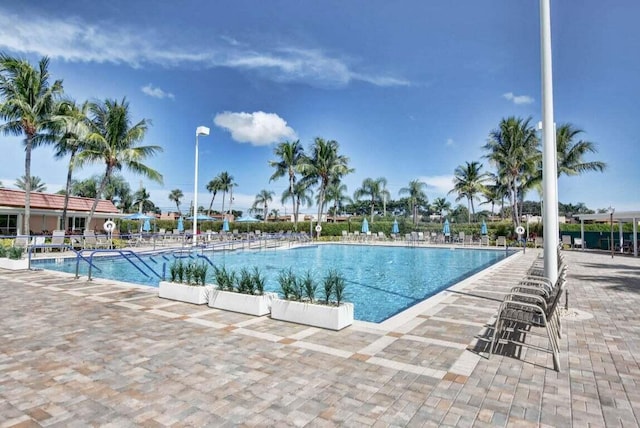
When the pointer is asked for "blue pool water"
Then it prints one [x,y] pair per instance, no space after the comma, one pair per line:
[381,281]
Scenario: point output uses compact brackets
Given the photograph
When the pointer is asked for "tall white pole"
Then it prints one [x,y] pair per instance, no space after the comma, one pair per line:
[201,130]
[549,150]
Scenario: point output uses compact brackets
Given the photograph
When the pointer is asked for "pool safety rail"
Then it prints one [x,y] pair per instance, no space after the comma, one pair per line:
[127,255]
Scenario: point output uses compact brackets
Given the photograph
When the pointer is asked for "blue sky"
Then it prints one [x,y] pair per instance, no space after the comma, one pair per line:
[409,89]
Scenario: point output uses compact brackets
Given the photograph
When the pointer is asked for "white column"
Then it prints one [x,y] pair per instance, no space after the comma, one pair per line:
[621,236]
[549,163]
[635,237]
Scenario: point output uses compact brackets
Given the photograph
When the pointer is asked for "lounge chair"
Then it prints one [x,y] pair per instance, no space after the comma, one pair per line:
[344,236]
[89,239]
[484,240]
[382,236]
[577,242]
[37,243]
[21,241]
[57,238]
[102,241]
[501,241]
[566,240]
[538,242]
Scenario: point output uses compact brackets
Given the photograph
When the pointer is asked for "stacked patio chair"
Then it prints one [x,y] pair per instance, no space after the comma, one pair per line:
[57,238]
[533,302]
[501,241]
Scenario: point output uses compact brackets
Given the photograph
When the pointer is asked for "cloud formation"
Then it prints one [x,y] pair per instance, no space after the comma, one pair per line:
[76,41]
[257,128]
[518,99]
[437,185]
[156,92]
[449,142]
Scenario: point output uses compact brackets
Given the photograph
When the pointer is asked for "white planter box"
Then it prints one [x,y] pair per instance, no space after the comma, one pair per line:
[243,303]
[11,264]
[329,317]
[196,294]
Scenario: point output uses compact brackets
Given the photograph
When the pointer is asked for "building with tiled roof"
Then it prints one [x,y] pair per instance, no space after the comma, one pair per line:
[46,212]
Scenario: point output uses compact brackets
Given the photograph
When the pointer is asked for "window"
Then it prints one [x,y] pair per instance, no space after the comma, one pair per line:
[8,224]
[76,223]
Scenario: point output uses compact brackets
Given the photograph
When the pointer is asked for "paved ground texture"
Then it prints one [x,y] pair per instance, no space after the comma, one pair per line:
[79,353]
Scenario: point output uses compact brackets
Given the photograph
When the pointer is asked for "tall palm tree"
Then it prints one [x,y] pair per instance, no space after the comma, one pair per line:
[571,152]
[468,182]
[114,141]
[143,199]
[72,131]
[417,195]
[176,195]
[337,193]
[264,197]
[226,185]
[374,190]
[290,156]
[118,191]
[323,167]
[35,184]
[27,100]
[213,186]
[301,196]
[513,150]
[440,205]
[86,188]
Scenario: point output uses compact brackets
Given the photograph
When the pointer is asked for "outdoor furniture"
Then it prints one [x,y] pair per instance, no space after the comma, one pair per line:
[538,242]
[501,241]
[484,240]
[577,242]
[566,240]
[57,238]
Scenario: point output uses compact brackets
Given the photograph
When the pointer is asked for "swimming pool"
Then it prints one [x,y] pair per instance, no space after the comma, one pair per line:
[381,280]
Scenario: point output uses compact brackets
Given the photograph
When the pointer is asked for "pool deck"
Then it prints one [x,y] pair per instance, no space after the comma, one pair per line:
[103,353]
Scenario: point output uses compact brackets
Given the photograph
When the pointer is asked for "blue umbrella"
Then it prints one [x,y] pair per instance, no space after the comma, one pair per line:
[247,220]
[483,228]
[180,225]
[201,217]
[395,229]
[138,216]
[146,226]
[446,229]
[225,225]
[365,226]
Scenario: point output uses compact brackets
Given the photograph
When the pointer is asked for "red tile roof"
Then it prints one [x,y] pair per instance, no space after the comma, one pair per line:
[15,198]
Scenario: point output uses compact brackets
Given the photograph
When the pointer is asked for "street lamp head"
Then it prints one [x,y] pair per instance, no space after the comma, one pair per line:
[202,130]
[611,210]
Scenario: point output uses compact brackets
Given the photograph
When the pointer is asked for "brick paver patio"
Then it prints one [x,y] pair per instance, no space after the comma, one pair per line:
[101,353]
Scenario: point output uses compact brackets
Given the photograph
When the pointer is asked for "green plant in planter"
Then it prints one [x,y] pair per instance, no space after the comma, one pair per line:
[224,278]
[188,273]
[180,271]
[15,253]
[173,270]
[327,285]
[244,283]
[3,251]
[201,274]
[258,281]
[339,286]
[309,286]
[287,281]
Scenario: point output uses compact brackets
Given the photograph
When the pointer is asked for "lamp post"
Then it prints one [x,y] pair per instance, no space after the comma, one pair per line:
[611,211]
[204,131]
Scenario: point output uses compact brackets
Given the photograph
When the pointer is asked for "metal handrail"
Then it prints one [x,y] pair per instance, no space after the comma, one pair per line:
[124,254]
[60,246]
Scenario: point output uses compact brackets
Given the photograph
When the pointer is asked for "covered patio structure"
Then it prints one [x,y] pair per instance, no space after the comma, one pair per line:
[620,217]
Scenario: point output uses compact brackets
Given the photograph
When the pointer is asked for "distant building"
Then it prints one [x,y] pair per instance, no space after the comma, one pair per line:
[46,212]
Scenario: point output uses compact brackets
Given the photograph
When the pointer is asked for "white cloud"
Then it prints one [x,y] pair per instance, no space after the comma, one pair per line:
[518,99]
[437,185]
[156,92]
[450,142]
[75,40]
[258,128]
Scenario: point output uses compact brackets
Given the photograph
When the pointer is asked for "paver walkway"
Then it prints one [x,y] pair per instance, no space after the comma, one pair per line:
[79,353]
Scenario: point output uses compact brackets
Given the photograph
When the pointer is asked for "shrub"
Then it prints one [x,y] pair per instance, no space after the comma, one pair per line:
[287,281]
[244,283]
[339,286]
[309,287]
[224,278]
[258,281]
[15,253]
[328,283]
[3,251]
[188,273]
[200,275]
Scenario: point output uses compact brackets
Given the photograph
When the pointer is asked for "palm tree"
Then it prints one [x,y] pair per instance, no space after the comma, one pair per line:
[263,198]
[114,141]
[175,196]
[72,135]
[513,150]
[290,156]
[323,167]
[440,205]
[301,195]
[143,199]
[226,185]
[118,191]
[336,192]
[26,103]
[468,182]
[35,184]
[86,188]
[417,195]
[570,152]
[374,190]
[213,187]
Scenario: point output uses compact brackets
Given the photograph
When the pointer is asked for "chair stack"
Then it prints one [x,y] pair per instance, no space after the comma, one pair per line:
[533,302]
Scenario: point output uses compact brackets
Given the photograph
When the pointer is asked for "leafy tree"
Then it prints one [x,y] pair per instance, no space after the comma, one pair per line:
[35,184]
[494,192]
[264,197]
[468,182]
[115,142]
[118,191]
[417,196]
[71,137]
[142,198]
[440,205]
[336,193]
[27,100]
[571,152]
[175,196]
[213,186]
[374,190]
[302,196]
[513,150]
[87,188]
[290,156]
[226,185]
[323,167]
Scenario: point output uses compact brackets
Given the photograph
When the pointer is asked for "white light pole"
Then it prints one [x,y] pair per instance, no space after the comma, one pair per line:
[611,211]
[204,131]
[549,150]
